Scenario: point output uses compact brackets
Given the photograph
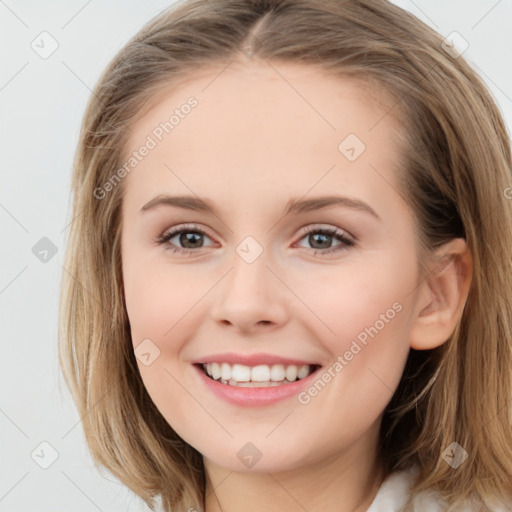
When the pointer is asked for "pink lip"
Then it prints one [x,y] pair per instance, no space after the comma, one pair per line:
[253,397]
[251,359]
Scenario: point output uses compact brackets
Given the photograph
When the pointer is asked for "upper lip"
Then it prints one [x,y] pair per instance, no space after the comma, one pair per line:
[252,359]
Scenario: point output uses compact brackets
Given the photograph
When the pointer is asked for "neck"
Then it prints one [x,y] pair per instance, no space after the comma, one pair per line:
[346,481]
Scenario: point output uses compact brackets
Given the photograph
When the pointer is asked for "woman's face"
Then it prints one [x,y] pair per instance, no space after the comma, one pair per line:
[251,275]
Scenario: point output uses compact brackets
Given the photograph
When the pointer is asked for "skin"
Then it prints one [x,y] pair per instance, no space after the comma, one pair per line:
[257,139]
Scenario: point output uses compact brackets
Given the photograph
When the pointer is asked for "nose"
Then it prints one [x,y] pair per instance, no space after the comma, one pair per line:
[251,297]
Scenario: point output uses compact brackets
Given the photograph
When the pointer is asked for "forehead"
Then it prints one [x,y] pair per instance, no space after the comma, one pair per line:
[264,123]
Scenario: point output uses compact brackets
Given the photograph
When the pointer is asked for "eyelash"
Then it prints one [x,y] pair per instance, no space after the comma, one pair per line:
[346,242]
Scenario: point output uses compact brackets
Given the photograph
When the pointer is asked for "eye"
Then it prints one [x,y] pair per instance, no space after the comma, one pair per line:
[322,239]
[189,236]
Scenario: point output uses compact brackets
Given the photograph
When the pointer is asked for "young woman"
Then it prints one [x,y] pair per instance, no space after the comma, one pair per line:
[288,275]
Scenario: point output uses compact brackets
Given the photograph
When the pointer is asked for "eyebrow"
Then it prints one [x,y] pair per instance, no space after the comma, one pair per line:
[293,206]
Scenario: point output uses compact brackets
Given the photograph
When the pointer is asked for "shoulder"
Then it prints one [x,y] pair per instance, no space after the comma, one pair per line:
[395,490]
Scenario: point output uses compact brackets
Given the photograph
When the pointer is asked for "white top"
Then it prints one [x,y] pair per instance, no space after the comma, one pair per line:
[394,492]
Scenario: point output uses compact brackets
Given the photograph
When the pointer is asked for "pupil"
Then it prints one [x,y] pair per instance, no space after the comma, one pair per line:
[324,238]
[186,238]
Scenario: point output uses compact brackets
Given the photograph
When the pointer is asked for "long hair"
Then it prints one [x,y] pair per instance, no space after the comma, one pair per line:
[456,174]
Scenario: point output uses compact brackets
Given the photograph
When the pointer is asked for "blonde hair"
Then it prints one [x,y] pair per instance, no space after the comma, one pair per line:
[456,171]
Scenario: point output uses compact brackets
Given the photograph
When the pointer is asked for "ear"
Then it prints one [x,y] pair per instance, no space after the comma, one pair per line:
[442,296]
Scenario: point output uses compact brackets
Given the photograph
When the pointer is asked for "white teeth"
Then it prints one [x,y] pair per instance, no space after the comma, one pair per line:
[254,384]
[240,373]
[303,372]
[277,373]
[225,371]
[256,376]
[215,371]
[260,373]
[291,373]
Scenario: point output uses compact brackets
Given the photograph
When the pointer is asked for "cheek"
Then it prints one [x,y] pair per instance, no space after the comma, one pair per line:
[161,301]
[160,305]
[348,300]
[363,321]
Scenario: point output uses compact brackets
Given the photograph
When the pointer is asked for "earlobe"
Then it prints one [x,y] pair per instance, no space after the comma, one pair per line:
[442,296]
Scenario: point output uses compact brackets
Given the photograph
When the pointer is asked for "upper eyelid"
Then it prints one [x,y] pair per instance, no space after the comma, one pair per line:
[319,227]
[186,227]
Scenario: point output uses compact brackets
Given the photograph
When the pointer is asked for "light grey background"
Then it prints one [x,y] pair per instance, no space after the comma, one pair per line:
[42,102]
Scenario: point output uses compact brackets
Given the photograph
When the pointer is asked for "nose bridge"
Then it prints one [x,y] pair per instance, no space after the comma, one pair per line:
[250,292]
[249,272]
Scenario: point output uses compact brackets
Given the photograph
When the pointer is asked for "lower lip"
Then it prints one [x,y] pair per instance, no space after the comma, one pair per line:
[252,397]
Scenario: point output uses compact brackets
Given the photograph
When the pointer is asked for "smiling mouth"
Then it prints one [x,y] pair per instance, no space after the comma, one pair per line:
[260,376]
